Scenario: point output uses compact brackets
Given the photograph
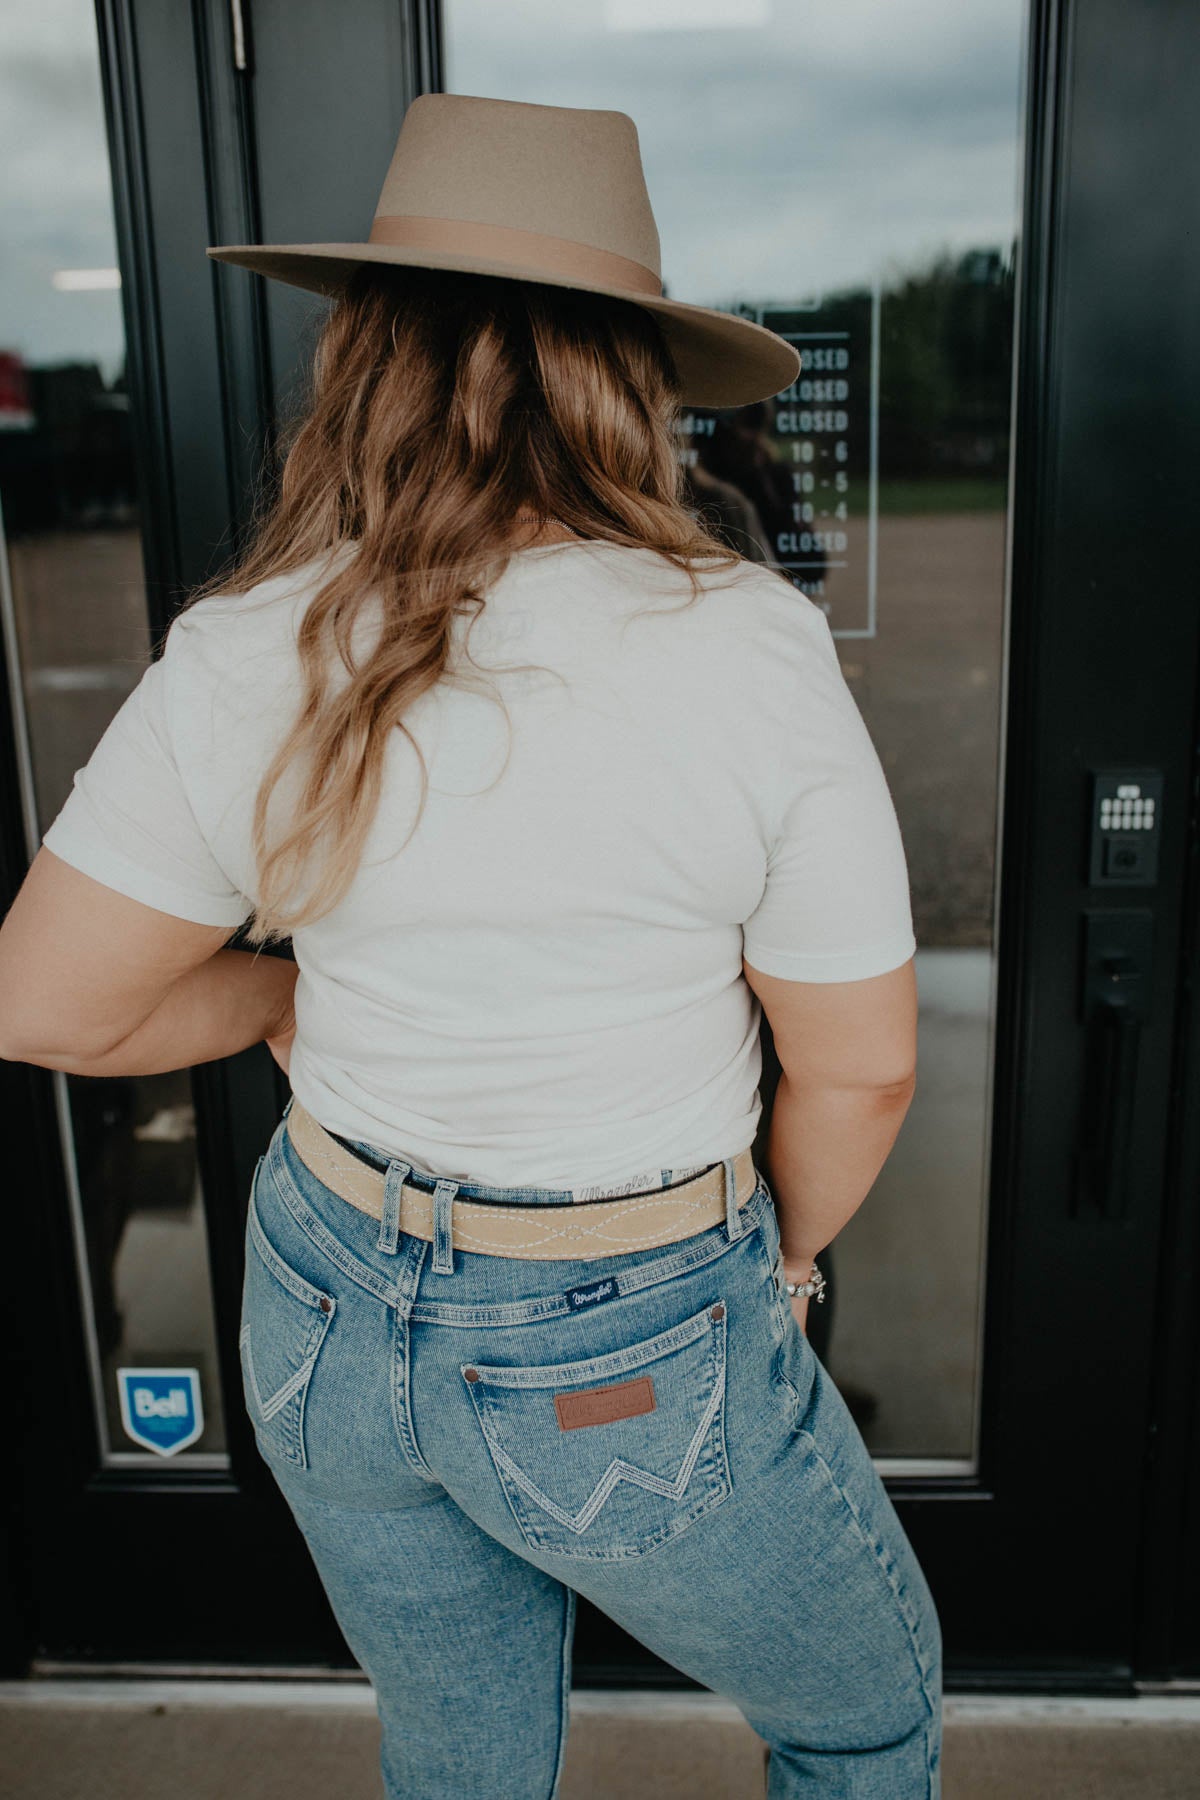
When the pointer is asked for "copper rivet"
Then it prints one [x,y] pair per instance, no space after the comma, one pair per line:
[471,1374]
[326,1305]
[718,1311]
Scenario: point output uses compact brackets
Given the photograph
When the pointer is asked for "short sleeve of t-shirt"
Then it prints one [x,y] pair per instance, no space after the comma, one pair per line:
[127,821]
[836,904]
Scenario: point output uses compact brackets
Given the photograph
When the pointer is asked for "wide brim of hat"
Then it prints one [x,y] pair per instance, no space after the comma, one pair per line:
[722,360]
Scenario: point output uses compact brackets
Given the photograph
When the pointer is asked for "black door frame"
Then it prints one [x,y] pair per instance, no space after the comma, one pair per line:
[1072,1537]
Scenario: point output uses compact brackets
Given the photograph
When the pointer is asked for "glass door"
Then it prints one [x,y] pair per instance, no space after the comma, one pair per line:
[853,180]
[78,635]
[148,1514]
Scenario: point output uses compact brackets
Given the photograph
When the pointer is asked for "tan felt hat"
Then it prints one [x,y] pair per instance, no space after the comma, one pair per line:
[553,194]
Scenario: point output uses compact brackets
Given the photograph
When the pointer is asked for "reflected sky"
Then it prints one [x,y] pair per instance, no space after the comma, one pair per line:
[55,188]
[816,150]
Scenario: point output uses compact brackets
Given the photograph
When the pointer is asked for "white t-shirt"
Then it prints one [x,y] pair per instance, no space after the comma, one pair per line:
[544,985]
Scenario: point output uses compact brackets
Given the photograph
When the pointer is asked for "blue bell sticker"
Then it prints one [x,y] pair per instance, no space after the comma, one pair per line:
[160,1408]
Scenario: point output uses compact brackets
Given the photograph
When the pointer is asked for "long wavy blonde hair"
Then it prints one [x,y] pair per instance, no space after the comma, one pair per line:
[439,404]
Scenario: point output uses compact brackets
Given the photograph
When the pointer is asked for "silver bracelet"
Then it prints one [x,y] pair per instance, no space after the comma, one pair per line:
[797,1290]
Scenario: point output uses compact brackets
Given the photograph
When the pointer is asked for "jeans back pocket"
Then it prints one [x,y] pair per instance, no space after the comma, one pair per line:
[283,1327]
[614,1455]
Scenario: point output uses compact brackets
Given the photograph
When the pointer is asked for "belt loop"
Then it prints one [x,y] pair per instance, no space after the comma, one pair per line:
[389,1225]
[443,1235]
[734,1222]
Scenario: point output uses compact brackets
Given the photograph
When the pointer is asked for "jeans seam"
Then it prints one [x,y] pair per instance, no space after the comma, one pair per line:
[876,1551]
[401,1397]
[350,1265]
[564,1687]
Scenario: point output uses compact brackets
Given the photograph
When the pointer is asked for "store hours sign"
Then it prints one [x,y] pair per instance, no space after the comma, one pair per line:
[793,481]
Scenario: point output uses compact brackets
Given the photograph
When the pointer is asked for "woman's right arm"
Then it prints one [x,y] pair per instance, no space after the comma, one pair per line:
[848,1052]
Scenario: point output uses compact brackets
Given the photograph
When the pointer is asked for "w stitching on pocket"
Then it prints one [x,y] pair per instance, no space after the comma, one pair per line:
[617,1470]
[291,1335]
[596,1485]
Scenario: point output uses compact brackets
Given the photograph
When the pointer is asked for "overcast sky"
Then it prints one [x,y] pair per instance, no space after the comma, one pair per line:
[807,152]
[824,146]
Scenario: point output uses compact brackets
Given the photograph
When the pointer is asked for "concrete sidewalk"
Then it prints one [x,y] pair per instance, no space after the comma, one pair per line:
[113,1739]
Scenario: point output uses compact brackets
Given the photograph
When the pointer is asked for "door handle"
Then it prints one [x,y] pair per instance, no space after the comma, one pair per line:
[1116,996]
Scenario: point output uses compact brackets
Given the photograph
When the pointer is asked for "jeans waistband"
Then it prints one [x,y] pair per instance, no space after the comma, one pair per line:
[650,1181]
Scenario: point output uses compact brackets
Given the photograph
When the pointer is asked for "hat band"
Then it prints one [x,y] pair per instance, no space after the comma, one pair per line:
[510,243]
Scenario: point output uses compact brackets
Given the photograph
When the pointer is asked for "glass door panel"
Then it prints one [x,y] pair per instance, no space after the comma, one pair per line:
[856,188]
[77,639]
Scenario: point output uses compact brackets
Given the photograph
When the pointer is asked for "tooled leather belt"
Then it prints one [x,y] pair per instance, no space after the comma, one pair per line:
[584,1229]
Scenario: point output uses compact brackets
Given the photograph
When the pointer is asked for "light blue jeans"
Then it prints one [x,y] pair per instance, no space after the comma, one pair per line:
[730,1518]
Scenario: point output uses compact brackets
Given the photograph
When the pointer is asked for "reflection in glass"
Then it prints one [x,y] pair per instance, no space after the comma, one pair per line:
[78,625]
[851,179]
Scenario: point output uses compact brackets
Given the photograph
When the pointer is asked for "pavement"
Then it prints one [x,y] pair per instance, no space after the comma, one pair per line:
[112,1739]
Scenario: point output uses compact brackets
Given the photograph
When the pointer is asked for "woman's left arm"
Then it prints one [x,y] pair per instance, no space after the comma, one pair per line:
[95,983]
[231,1000]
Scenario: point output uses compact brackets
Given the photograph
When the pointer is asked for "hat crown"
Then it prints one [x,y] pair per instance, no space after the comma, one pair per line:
[562,171]
[552,195]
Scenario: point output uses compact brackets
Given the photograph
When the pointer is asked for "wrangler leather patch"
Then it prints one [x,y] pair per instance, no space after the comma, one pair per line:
[591,1295]
[599,1406]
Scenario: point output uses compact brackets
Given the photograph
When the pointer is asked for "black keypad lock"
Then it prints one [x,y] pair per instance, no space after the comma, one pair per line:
[1126,828]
